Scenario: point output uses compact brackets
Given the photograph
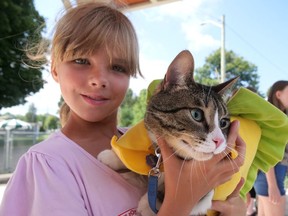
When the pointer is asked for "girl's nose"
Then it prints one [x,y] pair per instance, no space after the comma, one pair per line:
[99,84]
[98,79]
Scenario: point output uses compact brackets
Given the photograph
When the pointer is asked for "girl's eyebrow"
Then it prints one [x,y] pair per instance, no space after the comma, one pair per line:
[119,61]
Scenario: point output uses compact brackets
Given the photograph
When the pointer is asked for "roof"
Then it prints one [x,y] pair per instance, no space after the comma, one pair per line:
[129,4]
[140,4]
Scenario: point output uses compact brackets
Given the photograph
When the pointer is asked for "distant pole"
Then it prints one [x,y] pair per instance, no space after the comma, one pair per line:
[7,150]
[223,68]
[222,56]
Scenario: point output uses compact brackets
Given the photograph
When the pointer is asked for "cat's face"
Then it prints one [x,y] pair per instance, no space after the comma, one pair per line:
[192,118]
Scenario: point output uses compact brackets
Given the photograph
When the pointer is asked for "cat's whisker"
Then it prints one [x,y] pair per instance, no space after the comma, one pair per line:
[191,171]
[202,172]
[228,156]
[181,169]
[194,163]
[173,154]
[231,149]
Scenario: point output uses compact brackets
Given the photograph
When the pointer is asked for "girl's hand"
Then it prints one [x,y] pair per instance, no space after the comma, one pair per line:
[186,182]
[274,195]
[233,205]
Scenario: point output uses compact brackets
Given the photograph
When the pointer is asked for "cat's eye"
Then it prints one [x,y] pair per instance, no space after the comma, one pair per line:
[197,114]
[224,123]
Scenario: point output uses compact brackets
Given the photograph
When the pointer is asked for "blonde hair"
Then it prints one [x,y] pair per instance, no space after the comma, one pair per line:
[86,28]
[90,26]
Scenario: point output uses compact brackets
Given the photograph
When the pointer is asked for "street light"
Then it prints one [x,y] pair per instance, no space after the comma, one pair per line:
[222,26]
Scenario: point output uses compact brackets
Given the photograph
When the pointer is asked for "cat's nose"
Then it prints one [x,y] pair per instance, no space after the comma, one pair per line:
[218,141]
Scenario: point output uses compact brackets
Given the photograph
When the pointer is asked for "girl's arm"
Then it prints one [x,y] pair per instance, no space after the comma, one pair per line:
[186,182]
[42,186]
[273,190]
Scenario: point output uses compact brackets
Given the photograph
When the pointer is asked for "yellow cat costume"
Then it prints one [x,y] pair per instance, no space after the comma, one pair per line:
[262,126]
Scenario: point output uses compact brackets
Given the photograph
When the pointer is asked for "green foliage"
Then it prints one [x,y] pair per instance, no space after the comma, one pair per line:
[132,109]
[51,122]
[18,23]
[139,107]
[235,66]
[126,114]
[48,122]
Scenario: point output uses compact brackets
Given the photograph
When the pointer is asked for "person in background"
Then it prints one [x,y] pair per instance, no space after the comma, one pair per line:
[94,53]
[269,187]
[251,203]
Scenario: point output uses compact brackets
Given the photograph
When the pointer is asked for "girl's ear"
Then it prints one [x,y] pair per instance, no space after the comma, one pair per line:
[278,94]
[54,71]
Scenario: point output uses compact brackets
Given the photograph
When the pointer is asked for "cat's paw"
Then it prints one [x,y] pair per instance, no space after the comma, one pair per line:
[203,205]
[144,208]
[109,158]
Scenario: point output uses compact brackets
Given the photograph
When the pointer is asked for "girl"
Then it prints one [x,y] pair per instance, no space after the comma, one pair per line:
[94,53]
[270,187]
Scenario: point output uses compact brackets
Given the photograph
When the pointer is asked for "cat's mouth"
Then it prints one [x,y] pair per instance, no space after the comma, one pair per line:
[189,152]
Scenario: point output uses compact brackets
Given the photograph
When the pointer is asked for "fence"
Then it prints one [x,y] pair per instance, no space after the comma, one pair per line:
[15,143]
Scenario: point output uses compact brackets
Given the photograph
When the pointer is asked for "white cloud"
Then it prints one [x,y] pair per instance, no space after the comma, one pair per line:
[151,69]
[190,15]
[196,39]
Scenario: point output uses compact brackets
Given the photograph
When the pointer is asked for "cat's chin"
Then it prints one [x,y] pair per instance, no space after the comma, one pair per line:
[199,156]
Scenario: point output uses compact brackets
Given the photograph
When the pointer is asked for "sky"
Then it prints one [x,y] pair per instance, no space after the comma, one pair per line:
[256,30]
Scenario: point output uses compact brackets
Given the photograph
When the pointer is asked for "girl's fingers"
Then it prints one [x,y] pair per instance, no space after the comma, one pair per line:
[234,141]
[233,133]
[236,191]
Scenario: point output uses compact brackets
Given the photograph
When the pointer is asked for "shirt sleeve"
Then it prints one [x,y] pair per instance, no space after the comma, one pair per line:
[42,186]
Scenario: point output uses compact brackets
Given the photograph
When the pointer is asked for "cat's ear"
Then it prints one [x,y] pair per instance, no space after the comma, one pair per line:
[226,86]
[180,69]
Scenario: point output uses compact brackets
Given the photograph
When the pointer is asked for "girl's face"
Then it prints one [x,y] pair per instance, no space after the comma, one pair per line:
[283,97]
[93,86]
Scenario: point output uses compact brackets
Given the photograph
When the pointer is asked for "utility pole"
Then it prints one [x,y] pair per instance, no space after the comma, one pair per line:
[223,61]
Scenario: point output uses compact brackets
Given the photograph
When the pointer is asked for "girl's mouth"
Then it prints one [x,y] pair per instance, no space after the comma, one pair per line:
[99,100]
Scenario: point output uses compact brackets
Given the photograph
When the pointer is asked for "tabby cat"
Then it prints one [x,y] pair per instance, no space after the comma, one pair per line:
[192,118]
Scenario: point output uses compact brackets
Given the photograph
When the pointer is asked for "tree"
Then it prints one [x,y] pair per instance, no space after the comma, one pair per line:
[51,122]
[31,115]
[126,113]
[19,21]
[133,108]
[139,107]
[235,66]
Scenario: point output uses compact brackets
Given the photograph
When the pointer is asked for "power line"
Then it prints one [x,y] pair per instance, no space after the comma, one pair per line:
[255,49]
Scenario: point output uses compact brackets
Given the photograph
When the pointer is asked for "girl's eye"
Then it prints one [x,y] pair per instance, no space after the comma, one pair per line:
[119,68]
[197,114]
[81,61]
[224,123]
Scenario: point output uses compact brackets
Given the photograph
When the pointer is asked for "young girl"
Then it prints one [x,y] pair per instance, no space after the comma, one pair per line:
[270,187]
[94,53]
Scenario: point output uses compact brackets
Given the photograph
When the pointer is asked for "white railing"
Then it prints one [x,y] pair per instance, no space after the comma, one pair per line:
[13,144]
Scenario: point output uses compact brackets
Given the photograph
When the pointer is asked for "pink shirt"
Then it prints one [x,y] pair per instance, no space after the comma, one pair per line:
[57,177]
